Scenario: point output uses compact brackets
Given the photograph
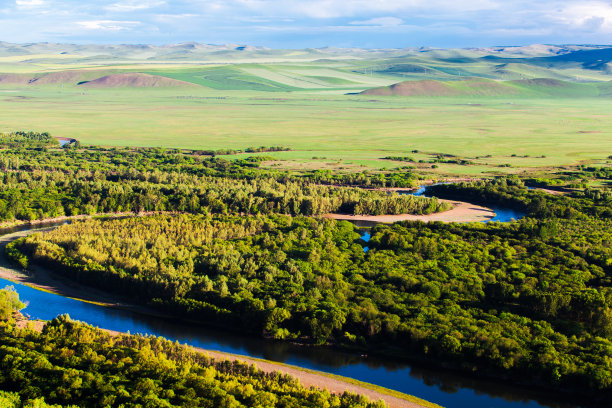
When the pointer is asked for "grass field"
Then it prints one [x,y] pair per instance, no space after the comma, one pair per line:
[311,108]
[346,131]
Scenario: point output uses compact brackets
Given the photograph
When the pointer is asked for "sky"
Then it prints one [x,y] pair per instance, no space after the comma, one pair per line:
[314,23]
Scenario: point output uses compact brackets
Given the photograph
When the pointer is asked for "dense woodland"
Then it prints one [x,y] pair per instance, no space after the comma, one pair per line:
[528,300]
[73,364]
[512,192]
[38,183]
[32,140]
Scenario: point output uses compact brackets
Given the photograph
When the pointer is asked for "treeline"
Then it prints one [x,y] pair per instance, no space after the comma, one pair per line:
[38,195]
[260,149]
[42,184]
[73,364]
[439,158]
[404,179]
[512,192]
[526,300]
[400,158]
[31,139]
[26,157]
[579,177]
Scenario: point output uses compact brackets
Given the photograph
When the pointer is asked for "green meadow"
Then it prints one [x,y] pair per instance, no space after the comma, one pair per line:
[342,130]
[314,108]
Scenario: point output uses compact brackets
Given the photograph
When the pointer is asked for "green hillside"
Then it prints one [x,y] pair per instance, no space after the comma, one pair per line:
[235,67]
[537,87]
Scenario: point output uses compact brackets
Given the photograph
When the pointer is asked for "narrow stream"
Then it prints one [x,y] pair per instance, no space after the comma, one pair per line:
[501,214]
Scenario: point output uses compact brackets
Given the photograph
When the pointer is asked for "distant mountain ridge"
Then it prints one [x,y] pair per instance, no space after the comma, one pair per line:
[491,70]
[194,49]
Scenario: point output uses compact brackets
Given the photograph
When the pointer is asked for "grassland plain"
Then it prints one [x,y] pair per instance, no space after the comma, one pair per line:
[347,131]
[309,100]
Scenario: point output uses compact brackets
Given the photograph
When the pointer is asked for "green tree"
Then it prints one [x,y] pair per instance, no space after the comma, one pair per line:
[9,302]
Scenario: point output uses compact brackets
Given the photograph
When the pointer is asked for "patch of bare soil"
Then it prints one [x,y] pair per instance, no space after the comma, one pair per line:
[413,88]
[135,80]
[437,88]
[313,379]
[549,191]
[550,82]
[14,79]
[487,88]
[307,378]
[71,77]
[461,212]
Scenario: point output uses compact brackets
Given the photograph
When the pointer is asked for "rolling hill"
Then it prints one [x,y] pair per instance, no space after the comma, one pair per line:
[537,87]
[490,71]
[134,80]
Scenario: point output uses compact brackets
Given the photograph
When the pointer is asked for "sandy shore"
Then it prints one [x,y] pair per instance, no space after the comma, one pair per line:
[549,191]
[42,279]
[461,212]
[308,378]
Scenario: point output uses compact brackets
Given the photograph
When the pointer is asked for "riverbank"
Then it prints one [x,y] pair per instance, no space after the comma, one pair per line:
[461,212]
[42,279]
[335,384]
[132,323]
[66,218]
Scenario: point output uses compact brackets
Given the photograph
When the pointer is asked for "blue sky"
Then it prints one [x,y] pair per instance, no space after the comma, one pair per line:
[315,23]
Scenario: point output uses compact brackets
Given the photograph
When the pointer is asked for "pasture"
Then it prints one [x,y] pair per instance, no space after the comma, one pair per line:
[314,108]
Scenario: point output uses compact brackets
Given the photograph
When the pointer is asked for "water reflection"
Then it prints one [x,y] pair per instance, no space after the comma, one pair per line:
[443,387]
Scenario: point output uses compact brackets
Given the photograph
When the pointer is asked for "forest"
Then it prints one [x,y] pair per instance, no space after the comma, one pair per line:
[43,182]
[512,192]
[35,140]
[232,244]
[529,299]
[72,364]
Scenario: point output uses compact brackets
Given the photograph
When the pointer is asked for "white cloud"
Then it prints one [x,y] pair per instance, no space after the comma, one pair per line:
[352,8]
[26,4]
[172,18]
[108,25]
[588,16]
[133,5]
[379,21]
[280,22]
[593,23]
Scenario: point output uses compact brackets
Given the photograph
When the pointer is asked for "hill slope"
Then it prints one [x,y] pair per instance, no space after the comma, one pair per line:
[135,80]
[537,87]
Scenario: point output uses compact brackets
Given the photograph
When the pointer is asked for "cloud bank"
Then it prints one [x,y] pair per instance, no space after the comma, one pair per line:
[313,23]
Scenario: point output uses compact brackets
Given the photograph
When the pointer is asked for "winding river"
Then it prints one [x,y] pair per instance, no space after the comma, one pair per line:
[501,214]
[448,389]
